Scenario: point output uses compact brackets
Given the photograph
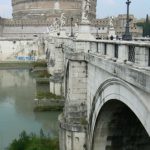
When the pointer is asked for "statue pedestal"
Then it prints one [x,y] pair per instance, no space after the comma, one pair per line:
[63,34]
[111,32]
[85,32]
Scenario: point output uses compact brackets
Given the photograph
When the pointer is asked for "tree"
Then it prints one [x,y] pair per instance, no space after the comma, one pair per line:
[147,18]
[33,142]
[146,26]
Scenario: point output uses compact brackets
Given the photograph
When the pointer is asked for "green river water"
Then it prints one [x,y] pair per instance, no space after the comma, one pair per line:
[17,91]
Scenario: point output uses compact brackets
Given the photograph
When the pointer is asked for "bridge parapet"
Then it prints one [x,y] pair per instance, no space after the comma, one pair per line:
[132,56]
[132,53]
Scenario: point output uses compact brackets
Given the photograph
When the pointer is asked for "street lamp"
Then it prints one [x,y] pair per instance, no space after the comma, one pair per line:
[127,35]
[97,35]
[71,35]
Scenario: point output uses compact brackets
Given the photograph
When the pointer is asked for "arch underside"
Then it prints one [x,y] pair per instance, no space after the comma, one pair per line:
[117,128]
[118,113]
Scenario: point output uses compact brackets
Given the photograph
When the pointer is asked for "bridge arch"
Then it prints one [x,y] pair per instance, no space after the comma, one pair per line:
[112,96]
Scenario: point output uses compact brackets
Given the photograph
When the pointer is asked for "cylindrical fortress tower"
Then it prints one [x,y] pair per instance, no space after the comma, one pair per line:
[49,9]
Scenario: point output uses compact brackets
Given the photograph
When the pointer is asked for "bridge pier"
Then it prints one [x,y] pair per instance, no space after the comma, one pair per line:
[73,123]
[55,63]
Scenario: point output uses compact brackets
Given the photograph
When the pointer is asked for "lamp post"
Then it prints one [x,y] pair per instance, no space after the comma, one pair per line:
[97,35]
[127,35]
[71,35]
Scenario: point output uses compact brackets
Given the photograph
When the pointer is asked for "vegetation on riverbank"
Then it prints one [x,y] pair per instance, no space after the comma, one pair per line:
[39,64]
[39,70]
[48,102]
[48,108]
[40,74]
[47,95]
[40,81]
[34,142]
[15,65]
[22,64]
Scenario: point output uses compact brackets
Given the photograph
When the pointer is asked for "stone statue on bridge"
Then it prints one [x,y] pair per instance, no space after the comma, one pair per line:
[85,11]
[58,24]
[53,27]
[111,21]
[62,20]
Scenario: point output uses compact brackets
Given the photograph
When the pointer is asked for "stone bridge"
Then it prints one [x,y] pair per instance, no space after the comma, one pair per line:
[106,84]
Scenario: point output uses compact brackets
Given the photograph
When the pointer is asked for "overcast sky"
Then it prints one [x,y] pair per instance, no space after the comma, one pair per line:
[104,8]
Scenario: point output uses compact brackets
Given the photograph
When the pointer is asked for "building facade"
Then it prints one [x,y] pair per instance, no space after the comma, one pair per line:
[119,23]
[50,9]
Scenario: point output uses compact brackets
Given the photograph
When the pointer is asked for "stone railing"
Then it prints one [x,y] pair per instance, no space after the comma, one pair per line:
[136,53]
[132,53]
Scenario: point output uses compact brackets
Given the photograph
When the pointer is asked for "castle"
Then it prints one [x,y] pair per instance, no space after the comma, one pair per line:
[33,17]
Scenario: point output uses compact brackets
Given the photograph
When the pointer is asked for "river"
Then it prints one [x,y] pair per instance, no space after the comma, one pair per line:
[17,91]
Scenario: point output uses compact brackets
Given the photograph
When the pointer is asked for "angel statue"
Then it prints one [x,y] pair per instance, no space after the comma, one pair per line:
[85,11]
[56,24]
[62,20]
[111,22]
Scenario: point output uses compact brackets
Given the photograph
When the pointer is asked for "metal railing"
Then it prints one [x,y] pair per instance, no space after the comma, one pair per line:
[105,49]
[116,51]
[131,53]
[149,57]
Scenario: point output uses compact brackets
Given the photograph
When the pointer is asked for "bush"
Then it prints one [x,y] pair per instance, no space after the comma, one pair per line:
[41,74]
[47,95]
[40,64]
[33,142]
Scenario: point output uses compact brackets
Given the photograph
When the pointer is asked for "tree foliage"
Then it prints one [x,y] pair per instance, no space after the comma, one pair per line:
[146,27]
[32,142]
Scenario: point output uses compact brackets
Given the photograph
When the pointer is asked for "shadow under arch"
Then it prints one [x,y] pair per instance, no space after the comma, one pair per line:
[120,91]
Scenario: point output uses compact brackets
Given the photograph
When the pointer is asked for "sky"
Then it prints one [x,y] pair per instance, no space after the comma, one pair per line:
[105,8]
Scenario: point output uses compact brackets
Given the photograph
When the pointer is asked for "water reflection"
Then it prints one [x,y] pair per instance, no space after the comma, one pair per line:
[17,90]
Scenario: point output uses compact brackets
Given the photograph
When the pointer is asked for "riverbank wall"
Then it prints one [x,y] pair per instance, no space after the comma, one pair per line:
[20,49]
[48,104]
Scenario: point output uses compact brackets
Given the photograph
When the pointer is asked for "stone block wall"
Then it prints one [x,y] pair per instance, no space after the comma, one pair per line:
[77,82]
[18,50]
[55,56]
[23,31]
[73,121]
[46,9]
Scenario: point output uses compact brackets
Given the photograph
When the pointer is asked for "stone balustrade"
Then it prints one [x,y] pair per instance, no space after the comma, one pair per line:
[134,53]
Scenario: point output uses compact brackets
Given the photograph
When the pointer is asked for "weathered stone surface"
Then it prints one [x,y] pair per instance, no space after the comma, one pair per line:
[95,73]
